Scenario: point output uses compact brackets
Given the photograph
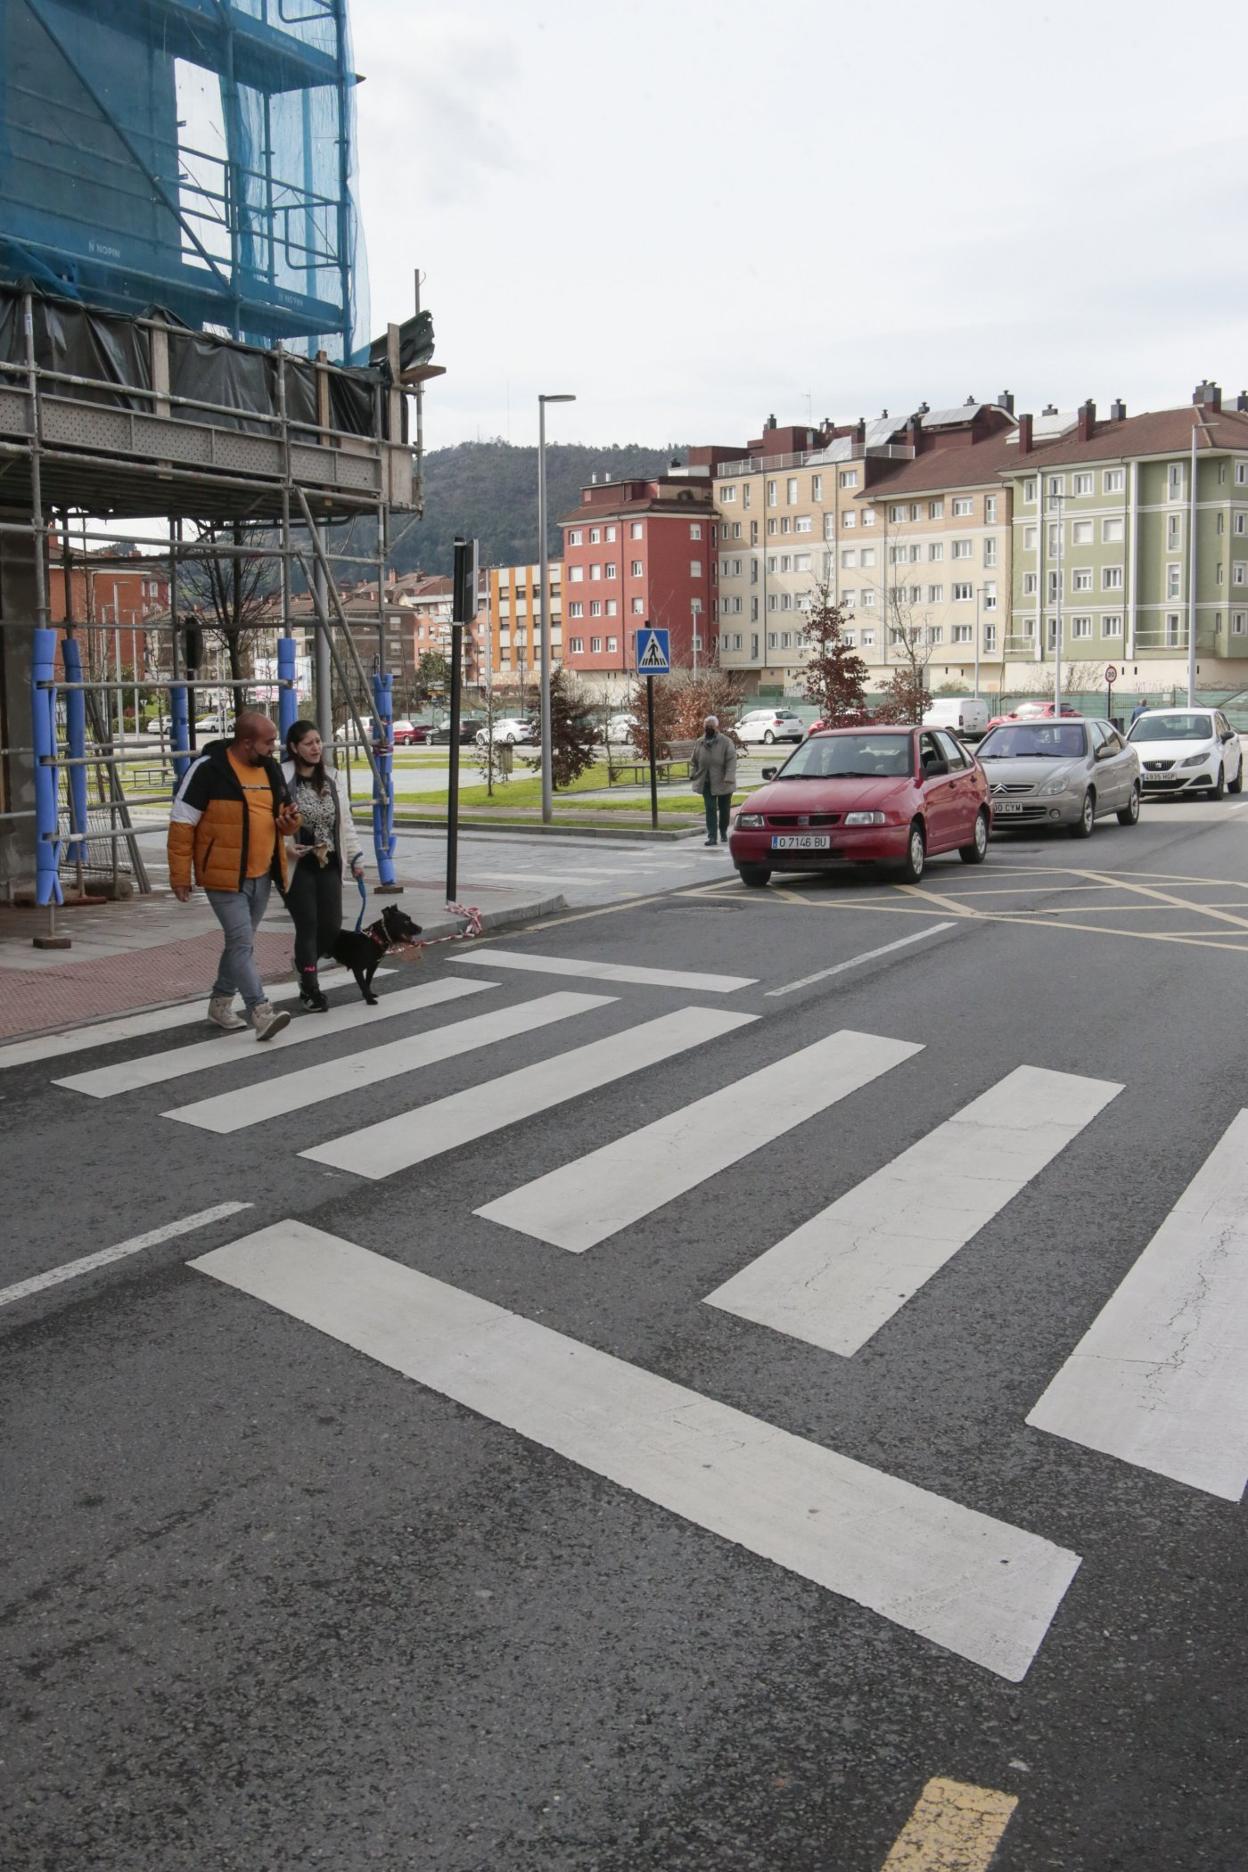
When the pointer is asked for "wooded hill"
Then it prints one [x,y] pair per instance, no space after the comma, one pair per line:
[488,491]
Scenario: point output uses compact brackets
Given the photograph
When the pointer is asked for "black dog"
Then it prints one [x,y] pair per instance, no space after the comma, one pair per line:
[361,950]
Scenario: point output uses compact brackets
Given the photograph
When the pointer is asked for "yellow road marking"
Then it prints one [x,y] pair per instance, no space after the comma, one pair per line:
[1165,897]
[948,904]
[954,1828]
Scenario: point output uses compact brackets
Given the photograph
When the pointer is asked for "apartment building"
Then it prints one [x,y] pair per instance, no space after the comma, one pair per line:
[512,623]
[1115,546]
[637,553]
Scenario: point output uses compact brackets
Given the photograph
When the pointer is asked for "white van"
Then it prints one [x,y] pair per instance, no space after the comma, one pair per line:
[966,715]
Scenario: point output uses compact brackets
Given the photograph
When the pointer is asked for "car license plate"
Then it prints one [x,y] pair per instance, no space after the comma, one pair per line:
[1006,806]
[1160,779]
[800,841]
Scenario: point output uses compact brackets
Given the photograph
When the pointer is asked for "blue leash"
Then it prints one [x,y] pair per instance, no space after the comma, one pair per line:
[363,890]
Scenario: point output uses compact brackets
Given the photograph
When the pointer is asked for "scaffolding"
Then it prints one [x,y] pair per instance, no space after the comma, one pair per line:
[270,474]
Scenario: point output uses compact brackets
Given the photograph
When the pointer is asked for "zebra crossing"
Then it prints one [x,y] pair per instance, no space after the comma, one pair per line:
[1157,1380]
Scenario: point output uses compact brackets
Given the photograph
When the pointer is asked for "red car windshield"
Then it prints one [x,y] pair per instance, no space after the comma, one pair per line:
[849,757]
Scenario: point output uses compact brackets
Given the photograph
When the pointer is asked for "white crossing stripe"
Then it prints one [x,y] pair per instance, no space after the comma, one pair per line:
[412,1137]
[978,1587]
[294,1092]
[150,1021]
[1160,1378]
[835,1280]
[103,1257]
[229,1049]
[604,971]
[599,1194]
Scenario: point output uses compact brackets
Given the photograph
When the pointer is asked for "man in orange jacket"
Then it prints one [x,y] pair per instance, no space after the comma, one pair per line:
[230,817]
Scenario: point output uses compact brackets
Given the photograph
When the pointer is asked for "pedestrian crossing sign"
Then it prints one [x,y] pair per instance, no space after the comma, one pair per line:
[654,652]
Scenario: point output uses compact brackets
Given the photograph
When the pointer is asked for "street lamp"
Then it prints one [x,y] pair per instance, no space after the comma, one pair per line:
[548,790]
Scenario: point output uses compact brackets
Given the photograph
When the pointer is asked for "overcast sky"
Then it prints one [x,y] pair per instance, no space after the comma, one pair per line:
[693,212]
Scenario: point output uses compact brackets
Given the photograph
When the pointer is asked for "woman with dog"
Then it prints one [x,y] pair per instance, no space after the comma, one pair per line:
[325,836]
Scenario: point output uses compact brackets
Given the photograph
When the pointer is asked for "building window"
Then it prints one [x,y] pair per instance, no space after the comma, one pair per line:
[962,593]
[595,646]
[772,493]
[612,569]
[936,551]
[990,509]
[935,633]
[1111,578]
[935,594]
[849,520]
[1239,623]
[1240,524]
[1082,484]
[635,530]
[1056,486]
[867,556]
[848,478]
[816,487]
[1174,481]
[637,606]
[963,506]
[803,524]
[989,596]
[1111,625]
[576,537]
[613,644]
[1174,532]
[1081,533]
[695,529]
[576,609]
[963,549]
[576,574]
[1081,627]
[1174,581]
[595,536]
[609,534]
[1030,537]
[595,609]
[1081,579]
[990,552]
[1174,630]
[801,562]
[1113,480]
[595,571]
[636,568]
[961,633]
[576,646]
[790,491]
[773,640]
[936,510]
[727,495]
[849,558]
[1029,491]
[990,638]
[1111,532]
[896,515]
[850,638]
[695,568]
[868,516]
[867,597]
[1239,572]
[612,607]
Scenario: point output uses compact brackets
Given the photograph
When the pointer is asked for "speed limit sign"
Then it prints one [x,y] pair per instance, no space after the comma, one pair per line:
[1111,674]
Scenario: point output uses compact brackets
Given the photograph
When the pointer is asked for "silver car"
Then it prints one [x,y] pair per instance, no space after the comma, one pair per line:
[1060,773]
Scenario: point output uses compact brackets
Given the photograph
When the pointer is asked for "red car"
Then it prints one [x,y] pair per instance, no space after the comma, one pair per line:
[411,734]
[1033,711]
[892,796]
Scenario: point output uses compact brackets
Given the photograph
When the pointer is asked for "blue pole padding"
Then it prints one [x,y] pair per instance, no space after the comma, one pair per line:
[179,732]
[43,739]
[384,840]
[76,735]
[288,695]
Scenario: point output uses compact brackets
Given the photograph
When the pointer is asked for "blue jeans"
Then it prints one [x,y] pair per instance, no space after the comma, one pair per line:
[239,913]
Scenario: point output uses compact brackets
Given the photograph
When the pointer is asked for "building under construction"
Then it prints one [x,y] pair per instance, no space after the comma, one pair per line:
[185,368]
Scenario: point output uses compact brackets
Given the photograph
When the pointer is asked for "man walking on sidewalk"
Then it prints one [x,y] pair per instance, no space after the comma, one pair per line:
[713,772]
[229,820]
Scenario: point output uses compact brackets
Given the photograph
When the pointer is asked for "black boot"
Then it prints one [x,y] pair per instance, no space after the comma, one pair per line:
[310,991]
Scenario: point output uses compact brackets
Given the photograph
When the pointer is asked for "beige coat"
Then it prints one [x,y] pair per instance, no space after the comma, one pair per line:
[713,765]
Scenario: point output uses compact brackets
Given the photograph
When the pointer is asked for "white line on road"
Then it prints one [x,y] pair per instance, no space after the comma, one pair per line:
[294,1092]
[604,971]
[839,968]
[150,1021]
[412,1137]
[980,1588]
[599,1194]
[69,1270]
[233,1049]
[836,1280]
[1160,1378]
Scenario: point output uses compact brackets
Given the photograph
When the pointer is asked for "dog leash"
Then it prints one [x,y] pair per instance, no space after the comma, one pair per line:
[363,890]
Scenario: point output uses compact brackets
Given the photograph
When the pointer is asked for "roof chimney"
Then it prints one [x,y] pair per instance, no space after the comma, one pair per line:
[924,407]
[971,400]
[1087,420]
[1118,410]
[883,415]
[1006,401]
[860,430]
[1241,401]
[1207,395]
[1050,409]
[771,422]
[1024,435]
[914,432]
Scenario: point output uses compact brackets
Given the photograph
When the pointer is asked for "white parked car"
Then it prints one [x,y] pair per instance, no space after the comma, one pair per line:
[621,729]
[508,730]
[769,725]
[1186,750]
[967,716]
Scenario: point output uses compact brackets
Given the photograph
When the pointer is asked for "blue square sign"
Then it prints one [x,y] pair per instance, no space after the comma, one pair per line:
[654,652]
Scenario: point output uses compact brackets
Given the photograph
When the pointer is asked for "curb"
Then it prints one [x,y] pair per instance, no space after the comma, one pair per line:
[644,834]
[445,928]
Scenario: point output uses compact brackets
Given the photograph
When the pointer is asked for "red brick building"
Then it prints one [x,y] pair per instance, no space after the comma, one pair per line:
[639,553]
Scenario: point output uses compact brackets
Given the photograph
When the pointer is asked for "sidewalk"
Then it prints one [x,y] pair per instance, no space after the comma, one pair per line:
[150,951]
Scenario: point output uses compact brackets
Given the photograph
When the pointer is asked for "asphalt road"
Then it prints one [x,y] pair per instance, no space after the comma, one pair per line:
[396,1534]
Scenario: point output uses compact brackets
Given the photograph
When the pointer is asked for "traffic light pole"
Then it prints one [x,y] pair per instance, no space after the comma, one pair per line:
[464,606]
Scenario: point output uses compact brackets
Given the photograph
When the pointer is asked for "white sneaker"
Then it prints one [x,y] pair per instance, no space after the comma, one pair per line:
[221,1014]
[268,1020]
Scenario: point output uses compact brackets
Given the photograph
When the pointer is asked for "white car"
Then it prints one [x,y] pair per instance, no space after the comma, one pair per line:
[508,730]
[1186,750]
[769,725]
[621,729]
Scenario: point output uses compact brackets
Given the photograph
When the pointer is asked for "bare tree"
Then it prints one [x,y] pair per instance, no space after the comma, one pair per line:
[909,648]
[234,595]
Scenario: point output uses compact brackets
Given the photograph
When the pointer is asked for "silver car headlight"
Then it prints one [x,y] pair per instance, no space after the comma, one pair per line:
[1196,760]
[1061,783]
[866,818]
[749,820]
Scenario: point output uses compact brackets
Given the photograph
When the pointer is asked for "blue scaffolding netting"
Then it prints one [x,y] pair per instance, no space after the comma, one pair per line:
[192,154]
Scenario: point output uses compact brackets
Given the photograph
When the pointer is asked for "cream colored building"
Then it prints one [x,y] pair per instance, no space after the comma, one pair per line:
[512,623]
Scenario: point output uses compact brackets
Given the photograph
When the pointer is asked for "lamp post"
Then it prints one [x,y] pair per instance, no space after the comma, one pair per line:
[548,805]
[1060,501]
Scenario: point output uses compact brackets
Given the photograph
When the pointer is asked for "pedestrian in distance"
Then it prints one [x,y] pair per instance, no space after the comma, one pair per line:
[325,836]
[713,772]
[1141,708]
[230,818]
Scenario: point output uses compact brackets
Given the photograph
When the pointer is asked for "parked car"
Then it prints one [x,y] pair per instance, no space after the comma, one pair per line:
[769,725]
[509,730]
[412,734]
[1034,711]
[471,728]
[967,716]
[1188,751]
[621,730]
[1060,773]
[892,796]
[213,724]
